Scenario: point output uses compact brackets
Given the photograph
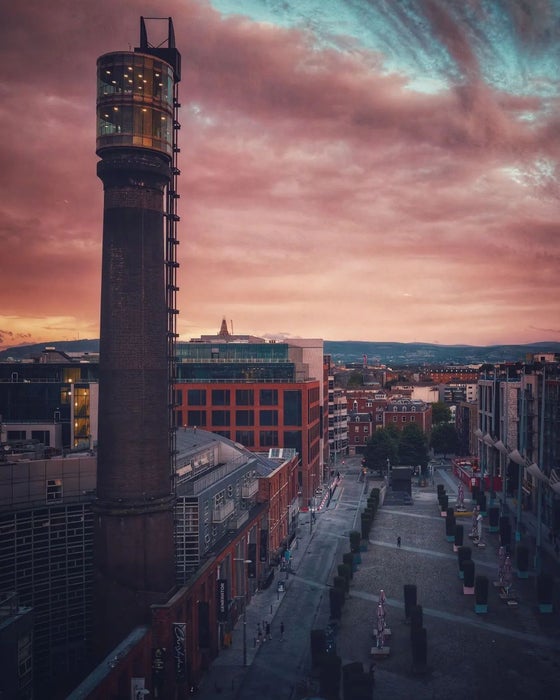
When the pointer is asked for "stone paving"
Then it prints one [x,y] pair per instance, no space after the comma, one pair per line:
[506,653]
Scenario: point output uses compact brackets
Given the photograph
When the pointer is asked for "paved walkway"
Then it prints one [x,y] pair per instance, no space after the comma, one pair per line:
[507,653]
[223,680]
[510,654]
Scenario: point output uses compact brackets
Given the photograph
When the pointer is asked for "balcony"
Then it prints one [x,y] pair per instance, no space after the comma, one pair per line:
[222,512]
[250,489]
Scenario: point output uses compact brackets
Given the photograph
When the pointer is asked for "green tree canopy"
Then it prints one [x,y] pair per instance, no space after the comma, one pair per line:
[381,447]
[441,413]
[355,379]
[394,432]
[413,446]
[444,439]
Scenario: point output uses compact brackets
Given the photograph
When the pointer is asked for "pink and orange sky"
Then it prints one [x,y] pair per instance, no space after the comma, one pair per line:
[359,170]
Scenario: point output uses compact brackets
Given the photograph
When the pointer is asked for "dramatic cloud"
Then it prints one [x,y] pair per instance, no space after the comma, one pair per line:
[375,171]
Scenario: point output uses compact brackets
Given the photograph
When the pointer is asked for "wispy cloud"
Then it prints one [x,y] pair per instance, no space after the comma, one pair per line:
[390,176]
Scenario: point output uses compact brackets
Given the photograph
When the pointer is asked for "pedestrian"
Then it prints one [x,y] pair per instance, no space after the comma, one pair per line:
[267,631]
[281,631]
[399,541]
[259,633]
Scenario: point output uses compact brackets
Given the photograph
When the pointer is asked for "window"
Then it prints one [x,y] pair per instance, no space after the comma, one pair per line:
[196,397]
[244,397]
[220,397]
[269,397]
[220,418]
[292,438]
[404,419]
[43,436]
[292,408]
[54,490]
[395,419]
[366,429]
[178,397]
[269,438]
[269,417]
[245,437]
[196,418]
[245,417]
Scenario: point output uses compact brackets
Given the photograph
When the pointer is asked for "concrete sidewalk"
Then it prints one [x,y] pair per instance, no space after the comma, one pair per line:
[224,677]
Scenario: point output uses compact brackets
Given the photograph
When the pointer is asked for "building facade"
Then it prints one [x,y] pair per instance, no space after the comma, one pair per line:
[262,395]
[46,558]
[16,648]
[50,401]
[517,435]
[402,412]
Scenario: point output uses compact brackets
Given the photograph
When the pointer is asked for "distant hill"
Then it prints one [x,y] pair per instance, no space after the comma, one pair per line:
[393,354]
[399,354]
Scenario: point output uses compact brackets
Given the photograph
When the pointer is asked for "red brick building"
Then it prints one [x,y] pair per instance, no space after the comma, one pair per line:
[444,375]
[402,412]
[189,630]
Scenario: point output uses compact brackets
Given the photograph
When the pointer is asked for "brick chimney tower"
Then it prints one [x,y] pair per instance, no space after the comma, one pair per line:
[134,555]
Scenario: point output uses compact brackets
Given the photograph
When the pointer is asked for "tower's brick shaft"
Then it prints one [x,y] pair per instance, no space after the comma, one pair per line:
[134,550]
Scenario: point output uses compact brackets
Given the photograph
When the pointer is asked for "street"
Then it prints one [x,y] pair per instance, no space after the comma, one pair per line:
[512,654]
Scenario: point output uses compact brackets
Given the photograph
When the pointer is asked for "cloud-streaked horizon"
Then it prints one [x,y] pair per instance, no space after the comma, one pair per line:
[351,170]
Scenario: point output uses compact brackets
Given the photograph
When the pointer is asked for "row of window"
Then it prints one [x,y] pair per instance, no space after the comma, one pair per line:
[139,75]
[267,438]
[222,397]
[388,407]
[395,419]
[242,418]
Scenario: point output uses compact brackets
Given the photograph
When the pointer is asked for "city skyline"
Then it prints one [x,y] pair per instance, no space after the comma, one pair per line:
[350,170]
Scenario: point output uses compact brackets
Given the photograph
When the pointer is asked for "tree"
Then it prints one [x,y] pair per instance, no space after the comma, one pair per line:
[394,432]
[381,447]
[355,379]
[440,413]
[444,439]
[413,446]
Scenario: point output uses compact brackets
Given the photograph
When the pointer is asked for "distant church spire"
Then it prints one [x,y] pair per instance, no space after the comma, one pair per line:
[224,329]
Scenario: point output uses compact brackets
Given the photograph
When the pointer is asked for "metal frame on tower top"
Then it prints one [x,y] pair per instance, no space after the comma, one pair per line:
[166,51]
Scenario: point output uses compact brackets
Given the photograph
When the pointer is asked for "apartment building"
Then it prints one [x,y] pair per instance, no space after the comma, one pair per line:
[518,432]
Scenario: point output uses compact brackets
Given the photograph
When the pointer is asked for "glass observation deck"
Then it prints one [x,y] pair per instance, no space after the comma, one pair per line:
[134,102]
